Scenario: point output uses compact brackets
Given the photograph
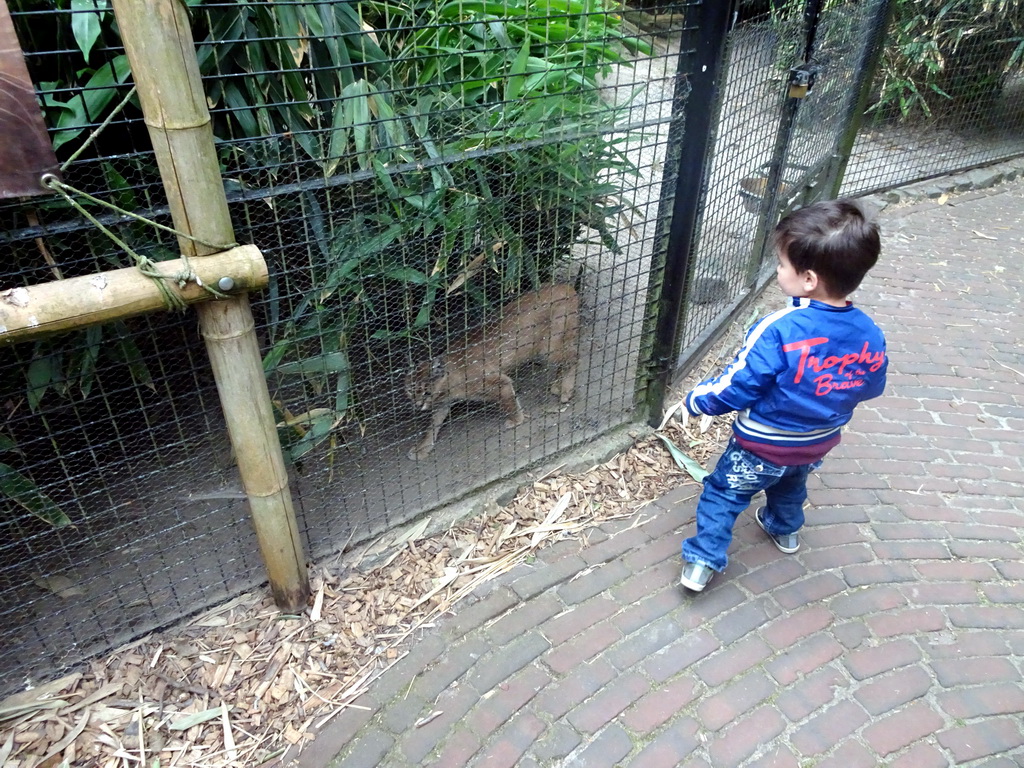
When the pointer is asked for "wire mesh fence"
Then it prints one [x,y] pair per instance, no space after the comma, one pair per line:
[106,429]
[947,96]
[943,98]
[458,183]
[403,195]
[413,174]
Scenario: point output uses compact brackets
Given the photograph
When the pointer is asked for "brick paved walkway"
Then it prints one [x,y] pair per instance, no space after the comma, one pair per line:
[894,637]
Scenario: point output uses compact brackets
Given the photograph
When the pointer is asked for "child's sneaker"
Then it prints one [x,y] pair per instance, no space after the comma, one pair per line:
[695,576]
[786,542]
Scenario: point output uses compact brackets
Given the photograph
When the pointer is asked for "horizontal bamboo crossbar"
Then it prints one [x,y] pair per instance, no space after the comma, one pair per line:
[77,302]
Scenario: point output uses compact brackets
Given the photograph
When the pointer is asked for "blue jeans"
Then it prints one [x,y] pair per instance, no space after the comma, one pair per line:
[728,491]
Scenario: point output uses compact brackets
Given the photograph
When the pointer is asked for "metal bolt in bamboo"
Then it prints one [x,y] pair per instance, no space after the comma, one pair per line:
[161,51]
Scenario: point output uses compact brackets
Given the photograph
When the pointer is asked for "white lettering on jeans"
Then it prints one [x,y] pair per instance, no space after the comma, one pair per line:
[742,477]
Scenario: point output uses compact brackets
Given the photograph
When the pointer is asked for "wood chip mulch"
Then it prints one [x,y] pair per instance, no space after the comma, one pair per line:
[244,685]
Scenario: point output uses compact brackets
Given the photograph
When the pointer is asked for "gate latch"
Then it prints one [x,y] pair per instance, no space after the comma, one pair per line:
[801,79]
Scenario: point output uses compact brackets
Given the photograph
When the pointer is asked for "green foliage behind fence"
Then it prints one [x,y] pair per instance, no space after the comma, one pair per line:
[460,172]
[447,155]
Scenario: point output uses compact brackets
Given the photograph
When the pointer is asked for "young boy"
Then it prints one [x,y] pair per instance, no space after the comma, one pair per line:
[795,382]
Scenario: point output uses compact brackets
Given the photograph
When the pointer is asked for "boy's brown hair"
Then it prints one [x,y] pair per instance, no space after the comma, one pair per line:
[835,238]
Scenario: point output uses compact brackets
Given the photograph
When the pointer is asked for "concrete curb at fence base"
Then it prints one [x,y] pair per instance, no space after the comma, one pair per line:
[974,180]
[894,637]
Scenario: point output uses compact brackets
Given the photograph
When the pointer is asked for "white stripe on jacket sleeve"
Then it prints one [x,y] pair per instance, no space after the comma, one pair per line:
[721,383]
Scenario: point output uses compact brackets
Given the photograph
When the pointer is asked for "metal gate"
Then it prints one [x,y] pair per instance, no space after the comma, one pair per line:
[788,105]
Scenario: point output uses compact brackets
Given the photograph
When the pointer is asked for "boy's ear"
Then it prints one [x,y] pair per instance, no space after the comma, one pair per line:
[811,280]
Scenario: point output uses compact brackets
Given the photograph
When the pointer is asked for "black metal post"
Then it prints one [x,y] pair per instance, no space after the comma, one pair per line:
[812,15]
[714,19]
[867,67]
[769,210]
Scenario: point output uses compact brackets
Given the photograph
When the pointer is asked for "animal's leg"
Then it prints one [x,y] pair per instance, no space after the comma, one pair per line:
[565,384]
[426,445]
[508,400]
[566,357]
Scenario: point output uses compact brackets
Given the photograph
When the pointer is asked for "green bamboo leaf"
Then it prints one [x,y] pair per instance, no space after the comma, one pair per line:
[331,362]
[500,33]
[421,202]
[341,275]
[342,393]
[240,109]
[408,275]
[253,57]
[1016,56]
[546,77]
[292,32]
[128,352]
[318,19]
[357,38]
[8,444]
[341,129]
[217,46]
[379,242]
[41,374]
[273,358]
[309,141]
[125,196]
[298,106]
[691,467]
[386,335]
[86,19]
[337,72]
[90,354]
[26,494]
[360,108]
[320,428]
[423,316]
[99,90]
[85,108]
[317,223]
[517,72]
[385,179]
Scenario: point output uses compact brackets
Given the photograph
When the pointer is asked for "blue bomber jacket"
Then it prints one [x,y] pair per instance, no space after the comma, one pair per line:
[797,378]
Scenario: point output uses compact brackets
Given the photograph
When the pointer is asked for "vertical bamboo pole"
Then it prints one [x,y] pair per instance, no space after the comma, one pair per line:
[158,40]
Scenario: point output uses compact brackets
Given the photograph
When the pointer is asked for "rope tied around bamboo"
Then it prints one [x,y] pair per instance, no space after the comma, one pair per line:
[172,300]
